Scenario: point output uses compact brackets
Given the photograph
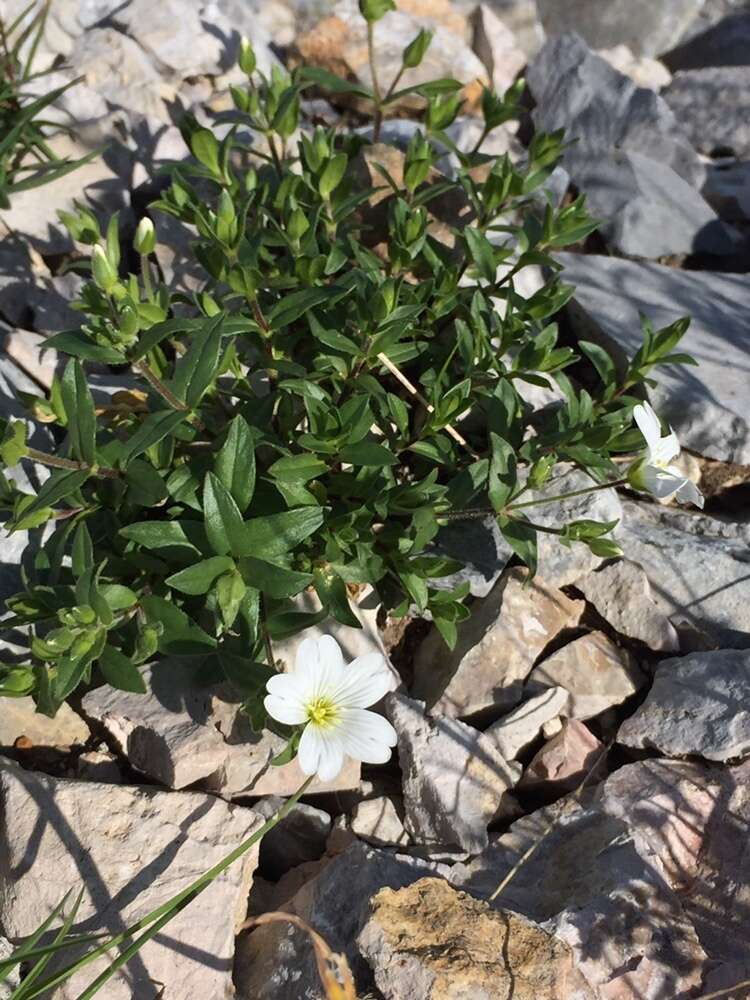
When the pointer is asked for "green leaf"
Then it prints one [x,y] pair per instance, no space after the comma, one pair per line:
[200,578]
[230,591]
[276,534]
[502,473]
[205,148]
[81,346]
[118,597]
[224,526]
[283,624]
[482,253]
[287,755]
[600,359]
[196,369]
[71,671]
[83,550]
[61,484]
[333,595]
[166,535]
[147,488]
[522,538]
[276,581]
[79,409]
[367,453]
[154,428]
[291,307]
[120,672]
[13,445]
[329,81]
[235,463]
[298,468]
[332,175]
[180,635]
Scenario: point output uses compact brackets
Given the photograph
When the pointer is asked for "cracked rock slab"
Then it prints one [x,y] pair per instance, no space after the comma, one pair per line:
[130,850]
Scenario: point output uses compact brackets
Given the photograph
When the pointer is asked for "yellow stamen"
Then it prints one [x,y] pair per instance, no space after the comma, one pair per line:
[322,712]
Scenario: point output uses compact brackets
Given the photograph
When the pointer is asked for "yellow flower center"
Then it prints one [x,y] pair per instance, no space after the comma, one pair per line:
[322,712]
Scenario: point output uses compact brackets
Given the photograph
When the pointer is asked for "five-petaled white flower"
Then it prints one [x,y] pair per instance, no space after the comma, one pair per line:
[653,473]
[329,699]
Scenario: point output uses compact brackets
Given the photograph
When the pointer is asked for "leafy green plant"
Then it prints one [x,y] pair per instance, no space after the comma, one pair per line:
[26,158]
[345,382]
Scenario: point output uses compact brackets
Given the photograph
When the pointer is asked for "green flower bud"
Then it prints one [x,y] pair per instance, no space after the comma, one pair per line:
[247,59]
[16,682]
[373,10]
[636,477]
[105,276]
[415,51]
[145,237]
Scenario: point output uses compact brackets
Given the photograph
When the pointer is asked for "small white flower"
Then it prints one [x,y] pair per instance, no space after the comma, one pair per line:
[329,699]
[653,473]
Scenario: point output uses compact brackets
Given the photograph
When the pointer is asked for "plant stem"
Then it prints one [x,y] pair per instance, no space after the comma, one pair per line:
[67,463]
[146,275]
[160,916]
[378,119]
[156,383]
[567,496]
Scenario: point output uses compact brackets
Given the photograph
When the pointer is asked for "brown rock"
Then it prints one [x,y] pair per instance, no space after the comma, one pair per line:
[565,760]
[496,648]
[621,593]
[595,672]
[431,942]
[339,44]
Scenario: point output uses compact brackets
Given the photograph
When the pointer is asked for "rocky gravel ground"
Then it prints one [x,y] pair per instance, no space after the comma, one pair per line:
[474,865]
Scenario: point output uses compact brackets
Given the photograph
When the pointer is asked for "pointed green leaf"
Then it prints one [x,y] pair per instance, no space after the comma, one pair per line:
[235,463]
[224,526]
[199,578]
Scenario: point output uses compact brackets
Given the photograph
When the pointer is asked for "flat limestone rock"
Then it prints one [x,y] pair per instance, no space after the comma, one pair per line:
[496,649]
[570,756]
[429,941]
[380,822]
[520,728]
[130,849]
[674,549]
[595,672]
[698,704]
[707,405]
[454,779]
[621,594]
[20,719]
[645,27]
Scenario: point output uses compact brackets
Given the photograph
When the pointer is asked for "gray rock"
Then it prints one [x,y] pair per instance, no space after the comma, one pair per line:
[520,16]
[646,28]
[705,405]
[698,705]
[727,188]
[622,595]
[496,648]
[19,718]
[572,756]
[300,837]
[13,978]
[128,850]
[578,871]
[380,822]
[724,44]
[275,961]
[688,820]
[455,781]
[642,70]
[596,674]
[179,38]
[479,544]
[98,765]
[675,551]
[517,731]
[558,565]
[710,104]
[629,156]
[182,733]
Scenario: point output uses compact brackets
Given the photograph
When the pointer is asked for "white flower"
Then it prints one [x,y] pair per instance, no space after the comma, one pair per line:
[653,473]
[329,699]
